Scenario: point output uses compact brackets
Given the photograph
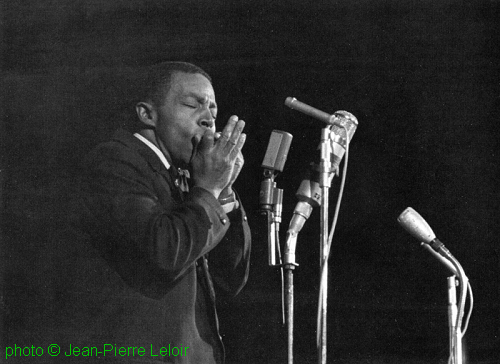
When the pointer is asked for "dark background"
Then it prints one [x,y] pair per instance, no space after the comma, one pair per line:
[421,77]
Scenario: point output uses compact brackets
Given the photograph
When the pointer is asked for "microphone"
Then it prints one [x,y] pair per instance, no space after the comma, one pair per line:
[309,196]
[341,135]
[309,192]
[274,161]
[341,121]
[270,197]
[295,104]
[277,150]
[415,224]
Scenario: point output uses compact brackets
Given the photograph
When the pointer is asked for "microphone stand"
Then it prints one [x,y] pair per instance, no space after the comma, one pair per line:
[271,201]
[289,265]
[269,195]
[455,334]
[324,182]
[455,312]
[289,257]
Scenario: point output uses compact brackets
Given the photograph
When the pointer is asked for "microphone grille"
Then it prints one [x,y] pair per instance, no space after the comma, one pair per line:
[347,121]
[277,150]
[416,226]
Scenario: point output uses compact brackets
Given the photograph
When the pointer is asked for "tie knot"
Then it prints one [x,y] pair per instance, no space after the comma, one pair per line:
[183,172]
[181,179]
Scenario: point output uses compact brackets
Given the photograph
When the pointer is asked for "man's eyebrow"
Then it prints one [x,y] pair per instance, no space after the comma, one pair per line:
[201,99]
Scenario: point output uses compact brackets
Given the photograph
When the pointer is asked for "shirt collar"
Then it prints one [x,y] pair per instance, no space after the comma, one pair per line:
[154,148]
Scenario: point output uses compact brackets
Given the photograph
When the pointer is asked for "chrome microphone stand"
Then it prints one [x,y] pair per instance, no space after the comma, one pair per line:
[455,334]
[325,170]
[455,308]
[289,265]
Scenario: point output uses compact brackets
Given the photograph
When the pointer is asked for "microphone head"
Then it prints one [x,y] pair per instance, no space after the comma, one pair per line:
[289,102]
[414,224]
[277,150]
[343,125]
[342,121]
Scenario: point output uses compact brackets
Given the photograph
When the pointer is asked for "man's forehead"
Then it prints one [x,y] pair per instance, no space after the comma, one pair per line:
[193,84]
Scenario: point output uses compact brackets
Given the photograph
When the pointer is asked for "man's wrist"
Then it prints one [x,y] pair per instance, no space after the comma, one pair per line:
[227,198]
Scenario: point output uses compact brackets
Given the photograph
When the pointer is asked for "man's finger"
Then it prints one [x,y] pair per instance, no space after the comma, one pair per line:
[235,136]
[238,129]
[236,151]
[228,129]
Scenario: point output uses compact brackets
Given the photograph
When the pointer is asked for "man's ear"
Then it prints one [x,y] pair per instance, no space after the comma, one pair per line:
[147,114]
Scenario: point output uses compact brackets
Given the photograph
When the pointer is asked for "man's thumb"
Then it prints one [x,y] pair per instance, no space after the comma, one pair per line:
[204,142]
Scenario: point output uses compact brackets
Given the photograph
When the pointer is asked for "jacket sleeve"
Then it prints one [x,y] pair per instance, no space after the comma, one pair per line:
[230,260]
[139,225]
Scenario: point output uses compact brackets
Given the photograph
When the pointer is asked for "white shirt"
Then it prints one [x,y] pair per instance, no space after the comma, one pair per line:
[154,148]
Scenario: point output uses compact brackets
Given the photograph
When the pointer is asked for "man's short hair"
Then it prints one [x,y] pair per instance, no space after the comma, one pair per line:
[159,77]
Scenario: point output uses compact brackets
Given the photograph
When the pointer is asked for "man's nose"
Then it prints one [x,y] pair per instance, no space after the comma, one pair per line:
[207,120]
[208,123]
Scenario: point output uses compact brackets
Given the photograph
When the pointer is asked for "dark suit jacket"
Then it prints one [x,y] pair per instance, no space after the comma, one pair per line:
[163,256]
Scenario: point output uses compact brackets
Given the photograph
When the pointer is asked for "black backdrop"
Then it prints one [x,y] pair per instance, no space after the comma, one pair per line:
[421,77]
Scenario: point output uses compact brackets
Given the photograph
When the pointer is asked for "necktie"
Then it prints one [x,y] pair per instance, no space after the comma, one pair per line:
[181,180]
